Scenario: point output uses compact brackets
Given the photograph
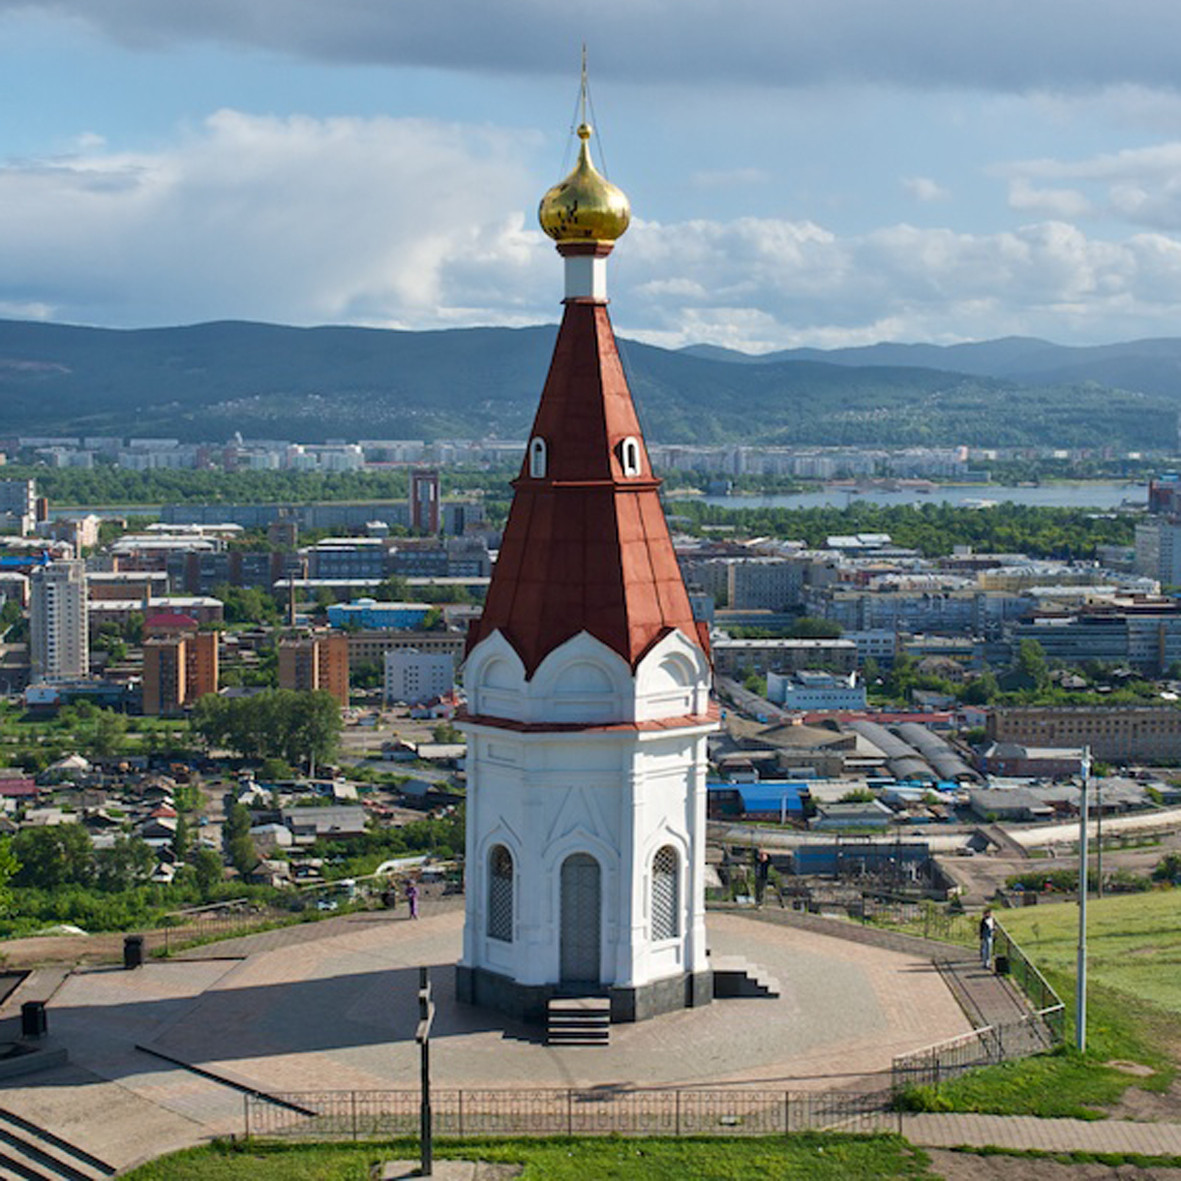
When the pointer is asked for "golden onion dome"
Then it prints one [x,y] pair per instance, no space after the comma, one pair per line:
[585,207]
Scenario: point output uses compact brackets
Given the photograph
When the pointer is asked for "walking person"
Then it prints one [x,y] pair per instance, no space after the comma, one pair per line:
[987,933]
[412,898]
[762,872]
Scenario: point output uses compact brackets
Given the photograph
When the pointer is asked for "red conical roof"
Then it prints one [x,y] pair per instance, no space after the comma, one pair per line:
[586,547]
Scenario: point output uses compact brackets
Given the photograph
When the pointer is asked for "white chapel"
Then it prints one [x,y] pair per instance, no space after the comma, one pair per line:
[588,691]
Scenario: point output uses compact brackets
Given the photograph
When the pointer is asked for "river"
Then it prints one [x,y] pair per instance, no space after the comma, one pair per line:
[1094,494]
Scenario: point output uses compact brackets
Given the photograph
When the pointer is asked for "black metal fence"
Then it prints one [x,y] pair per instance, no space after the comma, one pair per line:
[1041,1030]
[986,1046]
[1046,1003]
[366,1115]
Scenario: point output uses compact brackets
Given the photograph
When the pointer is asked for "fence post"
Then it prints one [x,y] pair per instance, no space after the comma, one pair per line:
[787,1113]
[678,1116]
[353,1098]
[246,1116]
[569,1111]
[460,1112]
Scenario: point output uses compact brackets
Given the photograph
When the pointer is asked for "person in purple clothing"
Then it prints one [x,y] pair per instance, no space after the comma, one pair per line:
[412,898]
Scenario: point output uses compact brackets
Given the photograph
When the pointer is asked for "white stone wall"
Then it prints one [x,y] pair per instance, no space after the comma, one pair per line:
[619,794]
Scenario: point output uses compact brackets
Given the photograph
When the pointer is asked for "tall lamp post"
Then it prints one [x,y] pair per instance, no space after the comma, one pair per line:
[1080,992]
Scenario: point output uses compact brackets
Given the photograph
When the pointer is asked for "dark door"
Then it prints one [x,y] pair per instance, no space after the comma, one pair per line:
[581,909]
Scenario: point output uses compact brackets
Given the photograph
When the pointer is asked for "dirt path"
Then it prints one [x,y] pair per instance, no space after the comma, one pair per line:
[965,1166]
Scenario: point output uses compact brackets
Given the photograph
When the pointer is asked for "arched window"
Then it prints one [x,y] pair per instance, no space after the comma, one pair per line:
[537,458]
[666,895]
[500,894]
[629,456]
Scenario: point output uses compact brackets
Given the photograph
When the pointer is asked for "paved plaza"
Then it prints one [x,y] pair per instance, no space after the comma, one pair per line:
[334,1007]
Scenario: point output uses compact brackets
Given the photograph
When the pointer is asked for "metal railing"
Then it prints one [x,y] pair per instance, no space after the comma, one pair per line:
[365,1115]
[1024,973]
[986,1046]
[1041,1030]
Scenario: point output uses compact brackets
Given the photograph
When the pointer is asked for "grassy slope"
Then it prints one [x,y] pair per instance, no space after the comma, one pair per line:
[1133,942]
[817,1158]
[1134,999]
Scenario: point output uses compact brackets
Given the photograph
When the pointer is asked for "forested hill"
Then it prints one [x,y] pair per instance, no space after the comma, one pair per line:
[310,384]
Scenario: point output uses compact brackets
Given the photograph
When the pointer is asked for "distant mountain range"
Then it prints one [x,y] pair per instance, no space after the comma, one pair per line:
[204,382]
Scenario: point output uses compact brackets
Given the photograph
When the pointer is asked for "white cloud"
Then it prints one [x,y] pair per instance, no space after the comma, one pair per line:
[298,220]
[923,188]
[419,224]
[1047,202]
[1141,186]
[764,285]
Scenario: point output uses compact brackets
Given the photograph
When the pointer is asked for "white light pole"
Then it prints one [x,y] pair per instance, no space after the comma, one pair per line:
[1080,992]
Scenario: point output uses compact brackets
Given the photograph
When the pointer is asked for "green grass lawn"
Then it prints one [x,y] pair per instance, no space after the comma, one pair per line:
[1133,942]
[815,1157]
[1134,1000]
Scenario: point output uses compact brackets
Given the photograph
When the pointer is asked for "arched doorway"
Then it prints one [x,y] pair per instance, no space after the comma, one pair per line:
[581,919]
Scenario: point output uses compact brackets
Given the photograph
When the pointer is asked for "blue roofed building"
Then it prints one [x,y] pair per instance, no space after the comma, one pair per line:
[371,615]
[775,800]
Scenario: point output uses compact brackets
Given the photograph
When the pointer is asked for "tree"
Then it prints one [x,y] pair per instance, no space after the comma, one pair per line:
[53,856]
[8,868]
[445,732]
[208,870]
[110,729]
[237,823]
[1031,664]
[128,862]
[809,628]
[277,723]
[243,855]
[981,690]
[182,838]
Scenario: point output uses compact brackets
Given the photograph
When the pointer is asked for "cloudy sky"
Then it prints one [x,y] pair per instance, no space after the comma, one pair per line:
[802,172]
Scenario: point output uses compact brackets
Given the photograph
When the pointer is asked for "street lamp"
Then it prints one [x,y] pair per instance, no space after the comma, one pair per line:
[1080,990]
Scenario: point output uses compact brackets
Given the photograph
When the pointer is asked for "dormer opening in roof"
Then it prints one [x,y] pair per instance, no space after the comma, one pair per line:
[585,214]
[537,458]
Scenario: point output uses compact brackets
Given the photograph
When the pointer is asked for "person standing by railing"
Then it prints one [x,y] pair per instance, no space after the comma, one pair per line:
[987,934]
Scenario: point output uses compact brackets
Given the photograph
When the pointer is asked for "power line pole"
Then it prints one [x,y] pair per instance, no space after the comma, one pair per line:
[1080,991]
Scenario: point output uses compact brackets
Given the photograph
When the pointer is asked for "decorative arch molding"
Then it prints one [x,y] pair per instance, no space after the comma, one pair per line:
[583,681]
[494,678]
[672,679]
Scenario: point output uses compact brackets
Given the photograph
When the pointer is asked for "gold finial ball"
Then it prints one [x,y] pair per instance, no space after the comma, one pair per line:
[585,207]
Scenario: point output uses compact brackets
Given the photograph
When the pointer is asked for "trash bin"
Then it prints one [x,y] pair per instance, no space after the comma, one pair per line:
[1002,965]
[133,951]
[34,1022]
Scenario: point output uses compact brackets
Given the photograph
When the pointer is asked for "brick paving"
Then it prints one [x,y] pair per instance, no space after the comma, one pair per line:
[331,1005]
[946,1130]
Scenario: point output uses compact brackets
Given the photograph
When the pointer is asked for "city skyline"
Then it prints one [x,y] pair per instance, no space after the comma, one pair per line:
[838,176]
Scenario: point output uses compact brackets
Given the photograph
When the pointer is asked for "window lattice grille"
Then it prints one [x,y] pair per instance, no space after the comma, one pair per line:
[665,899]
[500,895]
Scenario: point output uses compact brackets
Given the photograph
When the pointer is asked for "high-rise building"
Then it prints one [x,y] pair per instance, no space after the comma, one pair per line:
[180,664]
[588,689]
[319,661]
[1158,550]
[424,500]
[18,504]
[414,677]
[59,646]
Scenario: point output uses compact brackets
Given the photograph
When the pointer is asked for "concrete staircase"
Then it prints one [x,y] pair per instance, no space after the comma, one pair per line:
[29,1153]
[578,1021]
[736,977]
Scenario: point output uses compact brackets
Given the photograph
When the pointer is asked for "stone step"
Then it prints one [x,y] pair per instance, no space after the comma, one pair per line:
[30,1153]
[736,977]
[578,1021]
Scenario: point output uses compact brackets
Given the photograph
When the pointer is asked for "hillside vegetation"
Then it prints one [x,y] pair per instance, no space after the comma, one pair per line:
[309,384]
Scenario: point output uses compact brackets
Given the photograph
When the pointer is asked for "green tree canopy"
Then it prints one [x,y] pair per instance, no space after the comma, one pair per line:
[292,725]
